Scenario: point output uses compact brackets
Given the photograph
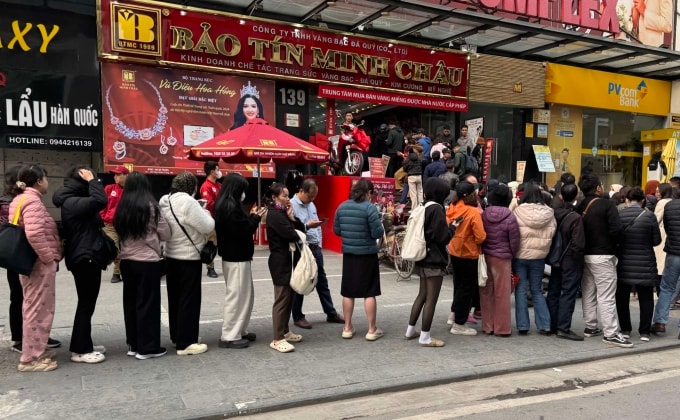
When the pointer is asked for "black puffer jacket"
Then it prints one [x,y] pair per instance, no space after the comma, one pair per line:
[671,222]
[412,165]
[637,261]
[570,225]
[80,204]
[437,232]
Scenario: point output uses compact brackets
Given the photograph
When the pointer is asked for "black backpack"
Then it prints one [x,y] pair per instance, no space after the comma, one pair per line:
[471,164]
[557,247]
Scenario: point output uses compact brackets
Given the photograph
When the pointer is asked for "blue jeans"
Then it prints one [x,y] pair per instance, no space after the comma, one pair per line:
[404,194]
[669,280]
[530,274]
[321,288]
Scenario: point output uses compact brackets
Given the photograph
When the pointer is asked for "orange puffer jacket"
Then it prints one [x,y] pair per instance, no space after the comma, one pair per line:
[470,234]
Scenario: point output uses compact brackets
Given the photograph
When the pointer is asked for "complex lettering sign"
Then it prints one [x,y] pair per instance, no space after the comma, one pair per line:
[221,42]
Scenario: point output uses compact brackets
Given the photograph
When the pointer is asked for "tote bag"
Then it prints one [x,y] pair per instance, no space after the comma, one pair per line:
[16,254]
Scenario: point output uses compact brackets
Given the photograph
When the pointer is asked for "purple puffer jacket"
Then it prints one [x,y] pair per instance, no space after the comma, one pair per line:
[502,233]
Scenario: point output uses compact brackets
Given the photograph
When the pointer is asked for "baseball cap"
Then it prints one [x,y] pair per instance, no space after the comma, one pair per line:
[120,170]
[464,188]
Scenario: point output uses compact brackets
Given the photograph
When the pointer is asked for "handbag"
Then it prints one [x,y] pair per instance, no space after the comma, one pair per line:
[16,253]
[209,250]
[304,275]
[482,274]
[514,281]
[105,250]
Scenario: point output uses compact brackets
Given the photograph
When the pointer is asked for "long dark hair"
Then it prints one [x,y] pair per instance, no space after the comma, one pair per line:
[11,176]
[360,190]
[134,209]
[532,194]
[239,116]
[29,175]
[229,199]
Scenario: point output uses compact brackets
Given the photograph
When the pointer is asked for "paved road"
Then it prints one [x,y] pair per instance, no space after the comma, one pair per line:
[225,381]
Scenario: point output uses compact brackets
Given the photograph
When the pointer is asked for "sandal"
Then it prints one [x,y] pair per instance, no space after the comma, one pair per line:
[433,343]
[374,335]
[44,364]
[348,334]
[412,337]
[282,346]
[292,337]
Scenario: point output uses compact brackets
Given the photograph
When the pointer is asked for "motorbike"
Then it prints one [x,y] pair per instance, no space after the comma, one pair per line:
[347,150]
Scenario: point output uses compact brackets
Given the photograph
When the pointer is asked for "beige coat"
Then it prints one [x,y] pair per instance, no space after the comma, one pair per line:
[536,228]
[658,250]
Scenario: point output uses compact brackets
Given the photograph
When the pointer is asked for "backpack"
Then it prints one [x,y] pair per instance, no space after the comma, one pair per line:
[304,276]
[415,246]
[557,248]
[471,164]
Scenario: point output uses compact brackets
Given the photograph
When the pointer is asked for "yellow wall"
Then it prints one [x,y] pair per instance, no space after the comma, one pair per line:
[656,141]
[565,121]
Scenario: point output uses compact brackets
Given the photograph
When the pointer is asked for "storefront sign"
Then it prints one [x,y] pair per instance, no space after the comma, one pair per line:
[543,158]
[488,153]
[597,89]
[364,95]
[48,110]
[152,116]
[234,44]
[675,121]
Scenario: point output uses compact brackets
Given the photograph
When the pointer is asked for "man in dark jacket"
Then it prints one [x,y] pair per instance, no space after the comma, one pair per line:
[379,142]
[566,279]
[603,229]
[458,160]
[434,169]
[671,271]
[395,147]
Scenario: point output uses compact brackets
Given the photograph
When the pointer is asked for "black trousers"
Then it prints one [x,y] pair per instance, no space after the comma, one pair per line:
[645,296]
[16,301]
[184,300]
[393,166]
[88,278]
[562,291]
[465,283]
[142,305]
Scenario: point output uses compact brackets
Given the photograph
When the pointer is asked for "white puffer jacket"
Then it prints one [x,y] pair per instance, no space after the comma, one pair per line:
[196,221]
[536,229]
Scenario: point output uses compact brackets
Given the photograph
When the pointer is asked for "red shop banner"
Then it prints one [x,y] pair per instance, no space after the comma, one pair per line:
[236,44]
[152,116]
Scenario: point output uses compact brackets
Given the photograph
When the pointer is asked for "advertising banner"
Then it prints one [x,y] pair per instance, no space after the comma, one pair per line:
[222,42]
[565,139]
[365,95]
[49,80]
[543,159]
[597,89]
[46,110]
[152,116]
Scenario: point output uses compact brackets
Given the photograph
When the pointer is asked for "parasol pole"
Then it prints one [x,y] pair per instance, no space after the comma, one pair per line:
[259,198]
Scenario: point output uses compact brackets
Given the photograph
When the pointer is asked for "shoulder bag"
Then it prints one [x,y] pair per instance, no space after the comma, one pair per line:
[209,250]
[16,253]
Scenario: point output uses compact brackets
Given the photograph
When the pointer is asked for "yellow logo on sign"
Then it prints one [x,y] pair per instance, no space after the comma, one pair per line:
[128,76]
[136,29]
[270,143]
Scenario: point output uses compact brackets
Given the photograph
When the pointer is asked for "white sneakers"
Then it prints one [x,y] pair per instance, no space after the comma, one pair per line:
[462,330]
[94,357]
[195,348]
[451,318]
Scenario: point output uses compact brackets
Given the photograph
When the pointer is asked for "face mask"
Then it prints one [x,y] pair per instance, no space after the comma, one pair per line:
[243,197]
[218,174]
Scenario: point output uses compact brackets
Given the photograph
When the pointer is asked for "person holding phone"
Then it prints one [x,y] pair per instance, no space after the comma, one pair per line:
[305,210]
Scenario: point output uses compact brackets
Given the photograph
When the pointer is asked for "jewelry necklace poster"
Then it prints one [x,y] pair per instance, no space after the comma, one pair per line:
[152,116]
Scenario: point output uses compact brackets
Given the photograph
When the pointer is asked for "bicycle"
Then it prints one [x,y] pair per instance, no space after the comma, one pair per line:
[390,247]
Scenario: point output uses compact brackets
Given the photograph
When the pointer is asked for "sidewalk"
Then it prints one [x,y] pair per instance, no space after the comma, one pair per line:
[228,382]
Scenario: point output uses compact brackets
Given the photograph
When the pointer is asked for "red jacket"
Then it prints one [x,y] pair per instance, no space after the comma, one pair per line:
[113,194]
[209,191]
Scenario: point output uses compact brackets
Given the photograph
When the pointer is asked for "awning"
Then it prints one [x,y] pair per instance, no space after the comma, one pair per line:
[478,29]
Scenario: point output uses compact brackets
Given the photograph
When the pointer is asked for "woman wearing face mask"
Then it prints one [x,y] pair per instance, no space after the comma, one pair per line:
[38,287]
[235,229]
[281,226]
[190,225]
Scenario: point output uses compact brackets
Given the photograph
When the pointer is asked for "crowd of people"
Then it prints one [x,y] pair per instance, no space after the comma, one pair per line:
[604,248]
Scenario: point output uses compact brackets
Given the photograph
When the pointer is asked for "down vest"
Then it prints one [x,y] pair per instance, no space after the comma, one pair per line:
[41,230]
[502,233]
[671,222]
[637,262]
[536,227]
[359,226]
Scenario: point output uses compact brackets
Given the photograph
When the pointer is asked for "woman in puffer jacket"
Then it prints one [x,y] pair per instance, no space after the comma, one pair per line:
[38,287]
[190,225]
[637,263]
[501,245]
[431,269]
[537,226]
[81,199]
[464,248]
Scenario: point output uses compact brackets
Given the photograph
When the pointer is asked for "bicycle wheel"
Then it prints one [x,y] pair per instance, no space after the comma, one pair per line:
[404,268]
